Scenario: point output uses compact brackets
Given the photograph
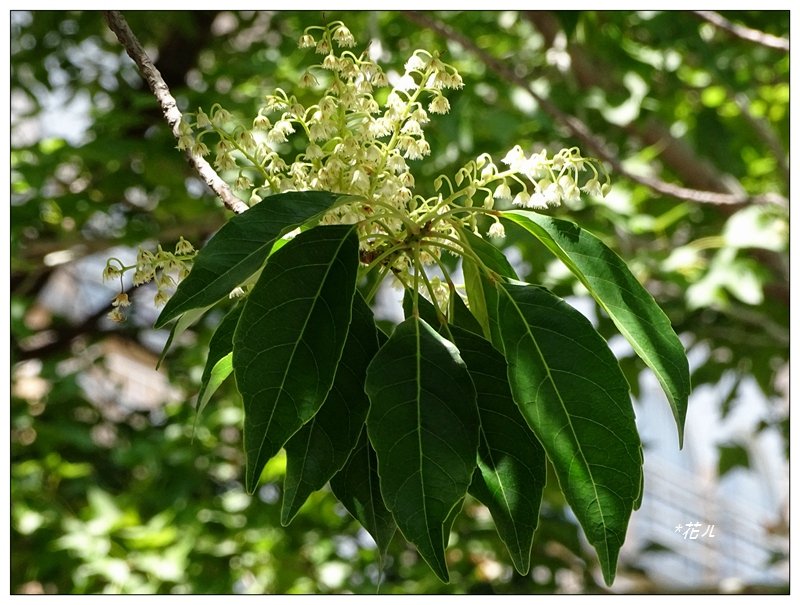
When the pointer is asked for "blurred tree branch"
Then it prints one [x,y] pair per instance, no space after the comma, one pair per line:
[745,33]
[582,132]
[693,170]
[118,24]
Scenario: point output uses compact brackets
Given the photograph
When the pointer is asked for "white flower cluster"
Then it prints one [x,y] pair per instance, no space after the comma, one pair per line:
[160,266]
[555,180]
[359,147]
[354,146]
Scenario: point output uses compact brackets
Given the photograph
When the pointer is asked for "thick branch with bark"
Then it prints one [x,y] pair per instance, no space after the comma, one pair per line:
[169,107]
[582,132]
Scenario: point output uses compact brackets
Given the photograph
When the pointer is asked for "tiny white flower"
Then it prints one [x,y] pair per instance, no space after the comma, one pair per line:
[121,300]
[497,230]
[420,115]
[537,201]
[160,298]
[202,120]
[552,194]
[569,189]
[343,37]
[380,79]
[503,192]
[307,80]
[406,83]
[183,247]
[224,161]
[535,167]
[521,199]
[411,127]
[306,41]
[261,122]
[593,188]
[415,62]
[514,156]
[242,183]
[396,163]
[331,63]
[407,179]
[360,181]
[380,127]
[314,152]
[439,105]
[285,126]
[116,315]
[323,47]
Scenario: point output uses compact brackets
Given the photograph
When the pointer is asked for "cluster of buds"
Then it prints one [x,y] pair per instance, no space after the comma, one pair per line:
[161,266]
[359,147]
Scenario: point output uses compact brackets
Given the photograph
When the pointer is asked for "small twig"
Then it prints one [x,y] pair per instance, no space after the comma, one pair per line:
[117,23]
[581,131]
[745,33]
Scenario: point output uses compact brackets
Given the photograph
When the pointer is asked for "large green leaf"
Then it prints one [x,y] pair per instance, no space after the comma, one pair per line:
[240,248]
[511,469]
[481,294]
[423,423]
[357,486]
[322,446]
[571,391]
[634,311]
[290,338]
[219,363]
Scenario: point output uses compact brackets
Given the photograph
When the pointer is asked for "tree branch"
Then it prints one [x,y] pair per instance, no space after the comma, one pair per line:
[745,33]
[694,171]
[582,132]
[117,23]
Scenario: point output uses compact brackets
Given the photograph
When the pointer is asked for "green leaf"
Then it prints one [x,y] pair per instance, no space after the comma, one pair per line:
[482,296]
[219,363]
[219,372]
[423,423]
[511,464]
[426,309]
[632,309]
[357,487]
[461,316]
[290,338]
[240,248]
[183,324]
[490,255]
[511,469]
[474,282]
[571,391]
[322,446]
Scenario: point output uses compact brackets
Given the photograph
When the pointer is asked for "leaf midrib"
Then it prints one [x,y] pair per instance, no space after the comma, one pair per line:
[551,243]
[566,413]
[517,540]
[297,342]
[418,367]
